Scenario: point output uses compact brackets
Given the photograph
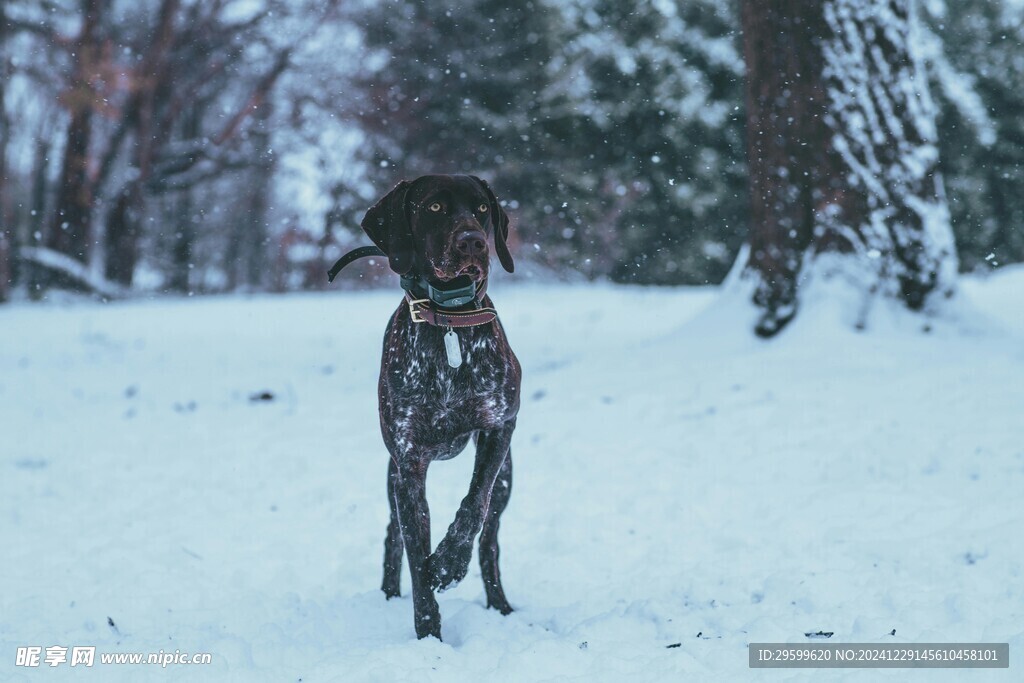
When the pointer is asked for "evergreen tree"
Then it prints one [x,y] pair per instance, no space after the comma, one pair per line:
[610,127]
[647,95]
[979,82]
[452,87]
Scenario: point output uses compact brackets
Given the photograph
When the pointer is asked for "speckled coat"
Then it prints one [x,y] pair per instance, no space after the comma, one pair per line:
[436,228]
[429,411]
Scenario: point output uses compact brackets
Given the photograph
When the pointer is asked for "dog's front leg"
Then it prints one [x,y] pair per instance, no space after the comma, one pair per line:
[450,562]
[414,518]
[489,538]
[393,549]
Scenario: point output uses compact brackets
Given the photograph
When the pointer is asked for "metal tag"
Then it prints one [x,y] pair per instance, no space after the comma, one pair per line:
[452,348]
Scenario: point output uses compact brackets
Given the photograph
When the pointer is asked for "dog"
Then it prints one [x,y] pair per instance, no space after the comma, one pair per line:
[447,375]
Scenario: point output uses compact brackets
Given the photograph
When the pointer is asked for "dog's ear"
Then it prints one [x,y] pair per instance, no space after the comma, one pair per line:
[499,219]
[387,224]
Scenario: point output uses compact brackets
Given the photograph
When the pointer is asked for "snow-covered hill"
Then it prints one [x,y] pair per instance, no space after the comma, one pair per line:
[677,481]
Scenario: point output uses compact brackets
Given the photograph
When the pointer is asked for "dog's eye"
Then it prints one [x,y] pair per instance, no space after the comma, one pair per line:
[482,208]
[435,207]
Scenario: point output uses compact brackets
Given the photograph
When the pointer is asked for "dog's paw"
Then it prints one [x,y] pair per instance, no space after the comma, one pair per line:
[448,565]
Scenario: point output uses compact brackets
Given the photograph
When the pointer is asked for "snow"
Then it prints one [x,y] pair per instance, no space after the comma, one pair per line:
[72,268]
[676,481]
[883,116]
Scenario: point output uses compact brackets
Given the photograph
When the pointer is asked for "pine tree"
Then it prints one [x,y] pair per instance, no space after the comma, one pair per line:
[451,86]
[979,83]
[648,93]
[610,127]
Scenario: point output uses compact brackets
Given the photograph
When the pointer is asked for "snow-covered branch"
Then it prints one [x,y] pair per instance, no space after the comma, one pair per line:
[72,269]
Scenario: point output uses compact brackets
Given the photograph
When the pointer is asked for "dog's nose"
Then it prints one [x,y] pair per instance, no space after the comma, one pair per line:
[471,243]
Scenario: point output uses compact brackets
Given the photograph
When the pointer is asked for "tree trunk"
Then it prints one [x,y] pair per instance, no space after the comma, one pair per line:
[257,234]
[883,127]
[123,227]
[34,274]
[785,132]
[840,143]
[183,244]
[185,236]
[70,230]
[6,211]
[5,267]
[123,236]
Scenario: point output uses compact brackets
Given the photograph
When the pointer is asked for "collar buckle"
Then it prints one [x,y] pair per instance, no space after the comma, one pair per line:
[414,309]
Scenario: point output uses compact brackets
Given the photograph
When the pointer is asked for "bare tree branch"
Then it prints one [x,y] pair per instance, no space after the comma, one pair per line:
[259,93]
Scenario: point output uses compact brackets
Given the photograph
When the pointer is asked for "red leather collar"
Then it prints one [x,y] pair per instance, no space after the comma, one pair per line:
[426,311]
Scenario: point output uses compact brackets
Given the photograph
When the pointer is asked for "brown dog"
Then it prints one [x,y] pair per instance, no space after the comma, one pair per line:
[447,374]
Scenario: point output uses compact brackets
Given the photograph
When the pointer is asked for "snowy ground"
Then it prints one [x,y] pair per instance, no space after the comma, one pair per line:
[676,481]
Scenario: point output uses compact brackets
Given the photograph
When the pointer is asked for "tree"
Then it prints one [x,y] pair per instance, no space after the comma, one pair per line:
[455,87]
[159,98]
[842,151]
[609,127]
[71,225]
[6,231]
[184,57]
[979,81]
[642,101]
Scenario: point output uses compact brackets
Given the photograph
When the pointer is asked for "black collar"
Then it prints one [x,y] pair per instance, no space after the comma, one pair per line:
[460,292]
[436,306]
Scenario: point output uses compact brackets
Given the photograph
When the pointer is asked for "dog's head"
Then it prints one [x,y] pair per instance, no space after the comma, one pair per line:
[437,226]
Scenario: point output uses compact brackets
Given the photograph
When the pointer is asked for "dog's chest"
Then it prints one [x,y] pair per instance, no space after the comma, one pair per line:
[425,389]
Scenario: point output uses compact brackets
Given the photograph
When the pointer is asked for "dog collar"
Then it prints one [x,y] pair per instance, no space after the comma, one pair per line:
[440,307]
[455,294]
[437,306]
[423,311]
